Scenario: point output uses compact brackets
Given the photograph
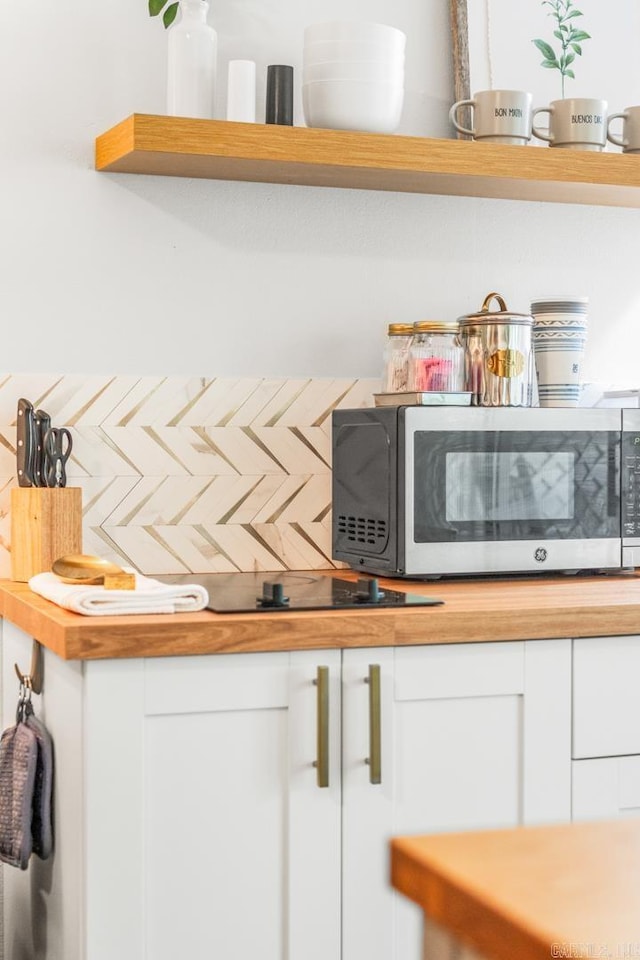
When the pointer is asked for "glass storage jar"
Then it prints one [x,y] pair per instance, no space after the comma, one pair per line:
[436,358]
[395,374]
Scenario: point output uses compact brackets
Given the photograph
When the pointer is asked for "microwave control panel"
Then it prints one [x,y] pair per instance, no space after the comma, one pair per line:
[630,492]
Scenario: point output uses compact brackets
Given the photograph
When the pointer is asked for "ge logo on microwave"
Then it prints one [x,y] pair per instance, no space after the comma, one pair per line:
[540,555]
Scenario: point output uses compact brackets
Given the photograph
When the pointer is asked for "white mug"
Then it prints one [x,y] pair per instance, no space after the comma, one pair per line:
[499,116]
[630,141]
[577,123]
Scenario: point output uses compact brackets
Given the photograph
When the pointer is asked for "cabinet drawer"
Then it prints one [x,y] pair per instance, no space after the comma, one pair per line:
[606,696]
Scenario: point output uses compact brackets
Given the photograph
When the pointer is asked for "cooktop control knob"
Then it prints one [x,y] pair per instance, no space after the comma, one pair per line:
[368,591]
[272,595]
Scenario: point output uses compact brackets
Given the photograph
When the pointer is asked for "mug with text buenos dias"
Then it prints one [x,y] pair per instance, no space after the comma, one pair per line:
[577,123]
[498,116]
[630,140]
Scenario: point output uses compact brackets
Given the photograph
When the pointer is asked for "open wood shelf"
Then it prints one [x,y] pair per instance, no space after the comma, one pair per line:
[222,150]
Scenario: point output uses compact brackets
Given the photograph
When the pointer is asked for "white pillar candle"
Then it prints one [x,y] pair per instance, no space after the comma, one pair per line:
[241,91]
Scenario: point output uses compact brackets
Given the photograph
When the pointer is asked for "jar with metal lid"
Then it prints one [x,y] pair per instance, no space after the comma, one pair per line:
[498,359]
[396,358]
[436,359]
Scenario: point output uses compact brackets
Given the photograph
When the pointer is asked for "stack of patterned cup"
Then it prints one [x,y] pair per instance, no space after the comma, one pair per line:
[559,337]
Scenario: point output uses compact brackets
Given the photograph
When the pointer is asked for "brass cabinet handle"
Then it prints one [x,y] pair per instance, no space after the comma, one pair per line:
[375,724]
[322,763]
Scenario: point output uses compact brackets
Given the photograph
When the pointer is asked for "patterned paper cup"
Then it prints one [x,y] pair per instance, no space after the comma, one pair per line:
[558,359]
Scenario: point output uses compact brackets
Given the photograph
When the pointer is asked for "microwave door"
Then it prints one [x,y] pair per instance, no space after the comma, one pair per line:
[482,500]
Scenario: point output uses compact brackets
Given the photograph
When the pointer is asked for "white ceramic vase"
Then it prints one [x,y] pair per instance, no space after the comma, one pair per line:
[191,65]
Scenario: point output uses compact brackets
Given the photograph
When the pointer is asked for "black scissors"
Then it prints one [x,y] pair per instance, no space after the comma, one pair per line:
[57,450]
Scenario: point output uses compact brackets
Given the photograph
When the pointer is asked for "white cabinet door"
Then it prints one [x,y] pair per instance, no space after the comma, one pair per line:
[606,788]
[472,736]
[606,680]
[208,835]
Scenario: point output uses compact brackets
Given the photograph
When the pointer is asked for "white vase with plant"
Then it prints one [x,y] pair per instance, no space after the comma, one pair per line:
[191,63]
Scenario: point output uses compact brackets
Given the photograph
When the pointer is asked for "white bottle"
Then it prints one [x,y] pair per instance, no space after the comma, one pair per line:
[241,91]
[191,66]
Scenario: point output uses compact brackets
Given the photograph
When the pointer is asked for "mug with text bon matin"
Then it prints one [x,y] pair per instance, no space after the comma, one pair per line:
[498,116]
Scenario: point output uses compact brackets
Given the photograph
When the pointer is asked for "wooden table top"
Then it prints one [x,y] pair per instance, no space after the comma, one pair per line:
[530,893]
[473,611]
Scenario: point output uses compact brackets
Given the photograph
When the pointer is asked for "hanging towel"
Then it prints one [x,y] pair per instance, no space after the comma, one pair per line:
[18,762]
[41,819]
[149,596]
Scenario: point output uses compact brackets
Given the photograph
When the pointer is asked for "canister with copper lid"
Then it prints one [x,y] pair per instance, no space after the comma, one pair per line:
[498,358]
[396,358]
[436,359]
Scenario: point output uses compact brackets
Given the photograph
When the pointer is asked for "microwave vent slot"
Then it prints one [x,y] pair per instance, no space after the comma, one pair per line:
[362,529]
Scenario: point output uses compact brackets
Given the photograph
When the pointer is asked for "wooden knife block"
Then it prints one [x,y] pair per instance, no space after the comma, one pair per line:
[46,523]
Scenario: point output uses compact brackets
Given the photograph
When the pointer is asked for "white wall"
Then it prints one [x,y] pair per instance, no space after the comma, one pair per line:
[146,275]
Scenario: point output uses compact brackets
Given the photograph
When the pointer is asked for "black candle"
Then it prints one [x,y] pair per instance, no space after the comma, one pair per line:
[279,94]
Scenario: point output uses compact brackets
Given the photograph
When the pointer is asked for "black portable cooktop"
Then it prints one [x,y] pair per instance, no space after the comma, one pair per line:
[251,592]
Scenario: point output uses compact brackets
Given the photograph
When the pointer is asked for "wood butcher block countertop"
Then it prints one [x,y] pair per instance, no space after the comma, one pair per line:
[531,893]
[473,611]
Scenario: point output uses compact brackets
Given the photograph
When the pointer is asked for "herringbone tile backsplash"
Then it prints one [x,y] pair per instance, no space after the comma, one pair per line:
[191,474]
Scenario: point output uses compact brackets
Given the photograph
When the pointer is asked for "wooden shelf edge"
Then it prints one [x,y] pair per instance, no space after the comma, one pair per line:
[224,150]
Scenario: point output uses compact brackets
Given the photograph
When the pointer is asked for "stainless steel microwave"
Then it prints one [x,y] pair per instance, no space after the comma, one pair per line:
[448,491]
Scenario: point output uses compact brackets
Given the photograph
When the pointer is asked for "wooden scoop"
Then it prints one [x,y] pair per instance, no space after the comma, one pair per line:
[85,569]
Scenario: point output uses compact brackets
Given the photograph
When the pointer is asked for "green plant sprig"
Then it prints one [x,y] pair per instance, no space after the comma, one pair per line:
[570,37]
[170,11]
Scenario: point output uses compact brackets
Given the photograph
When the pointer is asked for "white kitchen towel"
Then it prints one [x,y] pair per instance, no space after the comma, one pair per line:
[149,596]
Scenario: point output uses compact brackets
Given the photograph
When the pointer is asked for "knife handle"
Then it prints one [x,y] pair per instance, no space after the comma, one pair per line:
[42,425]
[25,443]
